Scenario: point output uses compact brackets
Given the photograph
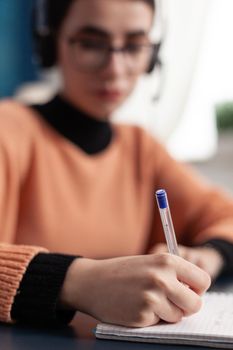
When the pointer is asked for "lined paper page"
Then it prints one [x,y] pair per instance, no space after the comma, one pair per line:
[214,322]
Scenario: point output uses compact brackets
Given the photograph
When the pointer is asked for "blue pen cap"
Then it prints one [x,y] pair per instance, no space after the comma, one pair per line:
[161,199]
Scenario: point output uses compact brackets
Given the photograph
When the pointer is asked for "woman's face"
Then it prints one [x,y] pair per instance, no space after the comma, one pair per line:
[95,78]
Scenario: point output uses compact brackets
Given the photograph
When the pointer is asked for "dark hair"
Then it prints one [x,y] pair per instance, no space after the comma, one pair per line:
[49,15]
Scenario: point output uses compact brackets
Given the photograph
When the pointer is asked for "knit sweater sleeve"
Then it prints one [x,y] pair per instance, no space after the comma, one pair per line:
[37,299]
[14,260]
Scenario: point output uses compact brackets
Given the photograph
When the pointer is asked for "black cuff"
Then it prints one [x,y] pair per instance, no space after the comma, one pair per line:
[36,301]
[225,248]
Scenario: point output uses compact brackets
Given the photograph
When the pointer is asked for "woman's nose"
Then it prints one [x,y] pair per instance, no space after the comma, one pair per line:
[116,64]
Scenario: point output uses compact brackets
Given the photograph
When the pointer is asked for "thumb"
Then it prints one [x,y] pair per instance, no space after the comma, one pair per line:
[159,248]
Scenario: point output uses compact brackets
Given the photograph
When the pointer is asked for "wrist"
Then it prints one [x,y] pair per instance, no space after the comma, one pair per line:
[72,295]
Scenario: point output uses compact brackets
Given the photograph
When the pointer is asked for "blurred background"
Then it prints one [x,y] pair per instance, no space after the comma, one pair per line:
[187,103]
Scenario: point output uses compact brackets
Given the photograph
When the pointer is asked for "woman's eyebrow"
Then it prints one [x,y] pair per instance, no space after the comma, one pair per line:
[136,33]
[97,31]
[92,30]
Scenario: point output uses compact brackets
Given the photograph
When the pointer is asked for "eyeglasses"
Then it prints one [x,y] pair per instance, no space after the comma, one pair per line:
[92,55]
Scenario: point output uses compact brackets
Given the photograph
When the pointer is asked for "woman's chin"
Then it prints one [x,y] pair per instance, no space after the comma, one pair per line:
[104,111]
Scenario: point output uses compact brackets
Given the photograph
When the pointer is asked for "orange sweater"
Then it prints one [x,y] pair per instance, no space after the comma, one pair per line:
[55,196]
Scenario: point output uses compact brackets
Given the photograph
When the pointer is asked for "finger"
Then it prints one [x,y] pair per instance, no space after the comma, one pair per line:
[159,248]
[185,299]
[187,253]
[154,319]
[145,319]
[193,256]
[167,310]
[190,274]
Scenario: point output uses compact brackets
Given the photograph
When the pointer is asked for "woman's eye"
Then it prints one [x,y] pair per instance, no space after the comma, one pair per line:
[92,44]
[134,48]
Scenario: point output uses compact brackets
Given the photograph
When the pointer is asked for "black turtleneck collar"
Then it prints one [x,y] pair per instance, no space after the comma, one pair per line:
[90,134]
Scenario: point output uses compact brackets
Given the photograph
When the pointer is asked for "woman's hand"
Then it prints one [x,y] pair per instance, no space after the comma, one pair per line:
[135,291]
[207,258]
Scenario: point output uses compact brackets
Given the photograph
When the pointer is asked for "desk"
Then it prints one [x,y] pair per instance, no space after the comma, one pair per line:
[79,336]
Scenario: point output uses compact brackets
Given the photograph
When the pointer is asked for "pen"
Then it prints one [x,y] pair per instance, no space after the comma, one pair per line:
[162,201]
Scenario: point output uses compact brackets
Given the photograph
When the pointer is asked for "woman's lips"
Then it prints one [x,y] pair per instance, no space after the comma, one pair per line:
[109,95]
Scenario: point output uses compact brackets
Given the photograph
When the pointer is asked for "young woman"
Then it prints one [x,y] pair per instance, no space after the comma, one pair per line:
[73,184]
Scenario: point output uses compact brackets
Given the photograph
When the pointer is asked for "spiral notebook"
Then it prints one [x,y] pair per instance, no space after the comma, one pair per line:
[212,326]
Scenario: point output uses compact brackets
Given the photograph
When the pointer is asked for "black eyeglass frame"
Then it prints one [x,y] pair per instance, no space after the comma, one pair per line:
[152,60]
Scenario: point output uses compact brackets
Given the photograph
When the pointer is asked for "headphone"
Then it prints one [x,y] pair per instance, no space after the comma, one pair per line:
[45,42]
[155,59]
[44,39]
